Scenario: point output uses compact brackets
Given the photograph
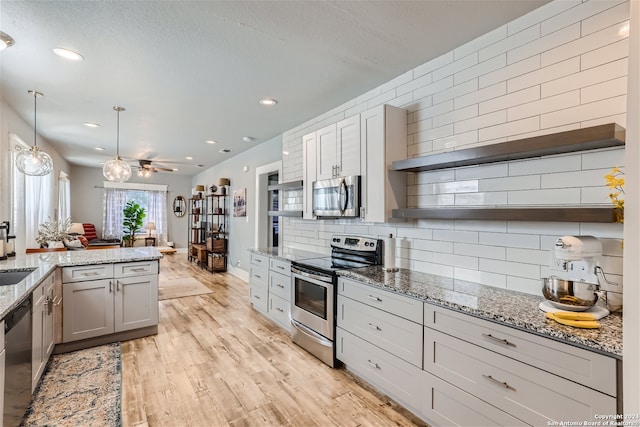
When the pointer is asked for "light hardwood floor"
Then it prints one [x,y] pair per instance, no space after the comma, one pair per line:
[216,361]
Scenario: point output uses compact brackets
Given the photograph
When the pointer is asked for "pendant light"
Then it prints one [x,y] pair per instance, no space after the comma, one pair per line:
[34,162]
[117,169]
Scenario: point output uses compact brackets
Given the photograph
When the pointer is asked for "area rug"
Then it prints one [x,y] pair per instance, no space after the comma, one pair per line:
[79,388]
[183,287]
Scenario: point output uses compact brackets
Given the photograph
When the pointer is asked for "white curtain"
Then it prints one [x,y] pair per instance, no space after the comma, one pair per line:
[113,202]
[157,213]
[64,197]
[30,200]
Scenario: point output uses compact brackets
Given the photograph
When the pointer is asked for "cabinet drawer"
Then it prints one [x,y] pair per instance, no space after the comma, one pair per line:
[81,273]
[279,310]
[398,336]
[132,269]
[280,266]
[280,285]
[409,308]
[258,296]
[527,393]
[391,375]
[585,367]
[259,259]
[259,274]
[447,405]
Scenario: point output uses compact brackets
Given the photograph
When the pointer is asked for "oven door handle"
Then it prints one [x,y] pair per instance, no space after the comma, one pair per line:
[310,275]
[311,334]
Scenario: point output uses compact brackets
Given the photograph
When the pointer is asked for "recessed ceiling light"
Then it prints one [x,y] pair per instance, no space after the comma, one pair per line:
[211,141]
[225,150]
[91,125]
[5,41]
[248,138]
[175,169]
[268,101]
[99,148]
[67,54]
[189,158]
[286,153]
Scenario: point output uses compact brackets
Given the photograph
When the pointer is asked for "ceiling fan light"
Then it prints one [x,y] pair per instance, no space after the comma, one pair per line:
[67,54]
[5,41]
[34,162]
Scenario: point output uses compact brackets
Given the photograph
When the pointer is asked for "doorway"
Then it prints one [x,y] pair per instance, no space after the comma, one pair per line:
[267,227]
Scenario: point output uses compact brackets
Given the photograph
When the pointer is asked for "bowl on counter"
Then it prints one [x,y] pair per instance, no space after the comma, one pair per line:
[568,294]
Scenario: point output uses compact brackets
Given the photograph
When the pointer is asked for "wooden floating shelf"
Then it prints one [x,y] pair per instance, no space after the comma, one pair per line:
[297,214]
[591,138]
[286,185]
[520,213]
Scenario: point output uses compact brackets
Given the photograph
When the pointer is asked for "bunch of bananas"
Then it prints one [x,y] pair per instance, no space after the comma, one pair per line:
[575,319]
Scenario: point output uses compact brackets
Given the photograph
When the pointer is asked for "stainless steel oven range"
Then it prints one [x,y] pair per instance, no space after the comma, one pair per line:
[313,292]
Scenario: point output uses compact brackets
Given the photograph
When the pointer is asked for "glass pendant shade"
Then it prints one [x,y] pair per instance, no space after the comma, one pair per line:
[34,162]
[117,170]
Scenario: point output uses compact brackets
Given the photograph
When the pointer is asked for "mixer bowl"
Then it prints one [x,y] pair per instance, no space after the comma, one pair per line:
[569,295]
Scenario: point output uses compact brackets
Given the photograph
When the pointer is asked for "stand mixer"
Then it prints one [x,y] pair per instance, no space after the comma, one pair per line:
[575,286]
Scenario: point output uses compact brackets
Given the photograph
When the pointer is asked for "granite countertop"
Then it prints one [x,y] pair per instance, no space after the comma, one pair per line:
[44,263]
[287,254]
[510,308]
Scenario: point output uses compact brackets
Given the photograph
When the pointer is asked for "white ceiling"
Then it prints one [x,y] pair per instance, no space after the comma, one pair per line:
[188,71]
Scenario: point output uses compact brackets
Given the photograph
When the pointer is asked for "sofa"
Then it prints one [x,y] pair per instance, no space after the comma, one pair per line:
[87,234]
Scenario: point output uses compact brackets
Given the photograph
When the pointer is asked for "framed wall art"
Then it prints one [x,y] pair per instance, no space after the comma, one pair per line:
[240,202]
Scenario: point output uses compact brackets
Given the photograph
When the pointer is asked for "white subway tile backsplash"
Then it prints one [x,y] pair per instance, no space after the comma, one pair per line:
[481,199]
[425,201]
[515,269]
[605,54]
[611,231]
[620,119]
[544,105]
[525,66]
[510,100]
[510,43]
[480,251]
[608,17]
[560,196]
[481,42]
[543,228]
[420,149]
[430,268]
[433,110]
[455,187]
[491,170]
[456,92]
[524,182]
[482,277]
[595,195]
[456,260]
[477,225]
[436,132]
[589,111]
[607,158]
[455,66]
[542,75]
[411,86]
[411,233]
[527,256]
[484,67]
[455,236]
[479,95]
[546,43]
[480,122]
[527,241]
[545,165]
[432,65]
[442,175]
[584,178]
[510,128]
[454,141]
[540,14]
[603,90]
[520,284]
[420,125]
[583,44]
[576,14]
[591,76]
[434,87]
[455,116]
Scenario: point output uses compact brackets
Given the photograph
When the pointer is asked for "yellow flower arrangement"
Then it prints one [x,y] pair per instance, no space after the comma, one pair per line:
[615,181]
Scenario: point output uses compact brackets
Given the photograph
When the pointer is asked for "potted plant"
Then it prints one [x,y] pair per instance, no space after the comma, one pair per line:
[53,233]
[133,216]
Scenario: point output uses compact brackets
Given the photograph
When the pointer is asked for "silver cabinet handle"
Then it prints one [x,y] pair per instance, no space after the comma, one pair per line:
[280,267]
[498,382]
[376,327]
[279,285]
[256,297]
[138,269]
[280,310]
[258,276]
[375,298]
[49,302]
[375,365]
[117,285]
[110,286]
[499,340]
[90,273]
[257,260]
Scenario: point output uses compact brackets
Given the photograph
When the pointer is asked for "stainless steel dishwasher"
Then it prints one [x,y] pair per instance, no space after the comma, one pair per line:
[17,379]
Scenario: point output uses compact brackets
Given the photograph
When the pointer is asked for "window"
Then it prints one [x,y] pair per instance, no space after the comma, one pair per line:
[64,196]
[153,198]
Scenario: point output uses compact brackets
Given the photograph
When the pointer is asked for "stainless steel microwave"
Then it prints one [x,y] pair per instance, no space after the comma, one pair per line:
[337,197]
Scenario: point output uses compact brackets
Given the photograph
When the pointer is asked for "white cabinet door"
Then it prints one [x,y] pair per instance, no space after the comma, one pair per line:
[326,155]
[280,311]
[348,146]
[42,332]
[309,173]
[136,302]
[88,309]
[383,134]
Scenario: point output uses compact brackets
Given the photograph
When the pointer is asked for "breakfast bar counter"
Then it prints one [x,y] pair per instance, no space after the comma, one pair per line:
[515,309]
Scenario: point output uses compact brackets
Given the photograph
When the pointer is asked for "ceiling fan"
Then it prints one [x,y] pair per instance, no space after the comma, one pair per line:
[145,168]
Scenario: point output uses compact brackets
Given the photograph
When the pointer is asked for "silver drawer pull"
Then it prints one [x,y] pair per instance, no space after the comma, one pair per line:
[375,365]
[498,382]
[258,276]
[256,297]
[376,327]
[280,310]
[139,269]
[375,298]
[279,285]
[280,267]
[90,273]
[499,340]
[258,260]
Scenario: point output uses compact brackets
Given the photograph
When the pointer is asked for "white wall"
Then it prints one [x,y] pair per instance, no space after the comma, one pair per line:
[242,229]
[562,66]
[87,193]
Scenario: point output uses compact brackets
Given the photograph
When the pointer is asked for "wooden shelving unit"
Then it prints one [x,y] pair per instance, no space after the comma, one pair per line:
[207,240]
[602,136]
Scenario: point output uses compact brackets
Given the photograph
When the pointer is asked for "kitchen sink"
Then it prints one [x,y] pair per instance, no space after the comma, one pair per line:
[13,277]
